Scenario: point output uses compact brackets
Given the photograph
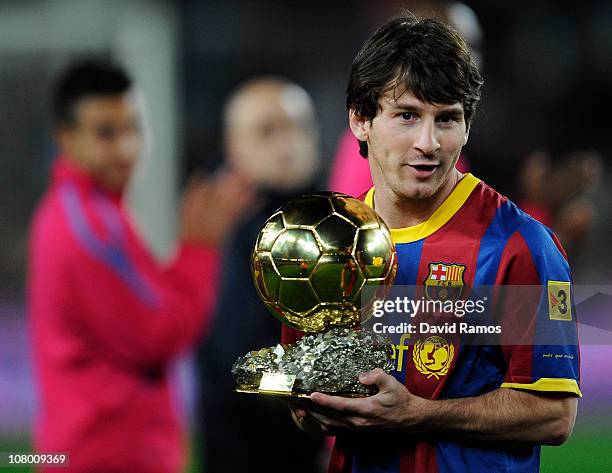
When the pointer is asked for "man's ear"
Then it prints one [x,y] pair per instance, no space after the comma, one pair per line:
[64,139]
[358,125]
[467,135]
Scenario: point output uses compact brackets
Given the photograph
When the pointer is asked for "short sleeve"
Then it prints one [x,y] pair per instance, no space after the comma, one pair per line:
[544,353]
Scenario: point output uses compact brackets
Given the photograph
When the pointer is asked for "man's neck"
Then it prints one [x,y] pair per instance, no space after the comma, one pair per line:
[84,169]
[400,212]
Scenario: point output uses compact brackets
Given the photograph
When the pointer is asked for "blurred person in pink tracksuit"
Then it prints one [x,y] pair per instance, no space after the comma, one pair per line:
[106,317]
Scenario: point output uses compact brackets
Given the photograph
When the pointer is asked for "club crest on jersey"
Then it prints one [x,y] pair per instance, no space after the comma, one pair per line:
[433,357]
[444,281]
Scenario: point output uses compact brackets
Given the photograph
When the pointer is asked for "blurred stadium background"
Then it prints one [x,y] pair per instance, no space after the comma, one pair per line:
[548,70]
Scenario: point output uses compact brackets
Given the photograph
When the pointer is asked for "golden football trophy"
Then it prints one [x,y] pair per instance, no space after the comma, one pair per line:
[318,264]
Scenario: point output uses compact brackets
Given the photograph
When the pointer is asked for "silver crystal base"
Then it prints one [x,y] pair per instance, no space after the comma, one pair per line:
[327,362]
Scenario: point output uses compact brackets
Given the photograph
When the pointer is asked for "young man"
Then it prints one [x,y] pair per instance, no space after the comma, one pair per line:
[106,317]
[412,94]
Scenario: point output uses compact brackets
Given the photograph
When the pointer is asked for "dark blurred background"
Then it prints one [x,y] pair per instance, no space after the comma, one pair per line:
[548,72]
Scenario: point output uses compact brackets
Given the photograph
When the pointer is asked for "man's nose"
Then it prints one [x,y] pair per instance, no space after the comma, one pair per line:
[128,146]
[426,140]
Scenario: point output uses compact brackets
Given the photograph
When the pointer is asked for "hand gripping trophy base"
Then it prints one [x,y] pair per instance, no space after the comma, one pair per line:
[328,362]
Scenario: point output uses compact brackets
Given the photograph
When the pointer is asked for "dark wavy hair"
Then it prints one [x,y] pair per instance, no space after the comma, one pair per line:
[91,76]
[429,57]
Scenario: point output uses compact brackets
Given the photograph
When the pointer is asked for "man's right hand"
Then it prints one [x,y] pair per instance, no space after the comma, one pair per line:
[211,206]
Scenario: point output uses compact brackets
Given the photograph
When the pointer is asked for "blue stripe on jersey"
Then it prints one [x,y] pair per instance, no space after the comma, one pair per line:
[112,255]
[382,455]
[409,260]
[452,458]
[477,370]
[508,218]
[480,369]
[551,266]
[549,262]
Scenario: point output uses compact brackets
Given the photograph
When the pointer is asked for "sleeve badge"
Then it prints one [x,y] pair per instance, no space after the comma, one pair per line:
[559,301]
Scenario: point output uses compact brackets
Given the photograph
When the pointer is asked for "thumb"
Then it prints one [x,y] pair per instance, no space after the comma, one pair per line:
[376,377]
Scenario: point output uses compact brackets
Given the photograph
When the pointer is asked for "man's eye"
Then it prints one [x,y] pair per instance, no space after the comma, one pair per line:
[265,130]
[106,132]
[134,127]
[447,119]
[408,116]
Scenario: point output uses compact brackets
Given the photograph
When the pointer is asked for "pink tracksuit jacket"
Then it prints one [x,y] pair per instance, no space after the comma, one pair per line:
[106,319]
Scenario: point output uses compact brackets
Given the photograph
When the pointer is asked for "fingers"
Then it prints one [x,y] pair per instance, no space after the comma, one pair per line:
[298,415]
[337,403]
[377,377]
[233,195]
[332,425]
[213,205]
[306,421]
[328,423]
[338,406]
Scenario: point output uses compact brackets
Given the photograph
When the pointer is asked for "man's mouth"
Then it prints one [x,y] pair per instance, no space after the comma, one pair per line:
[424,170]
[424,167]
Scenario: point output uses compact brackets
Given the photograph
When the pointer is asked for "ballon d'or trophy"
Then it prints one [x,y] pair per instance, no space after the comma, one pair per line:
[319,263]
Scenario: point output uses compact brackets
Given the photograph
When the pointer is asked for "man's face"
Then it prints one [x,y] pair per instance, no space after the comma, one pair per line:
[412,145]
[271,136]
[106,139]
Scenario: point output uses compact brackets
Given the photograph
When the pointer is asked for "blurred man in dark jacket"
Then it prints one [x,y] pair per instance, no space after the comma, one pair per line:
[270,137]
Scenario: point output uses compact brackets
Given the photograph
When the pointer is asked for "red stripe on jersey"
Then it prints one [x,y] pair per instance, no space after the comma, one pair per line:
[290,335]
[425,459]
[409,455]
[516,268]
[340,461]
[457,242]
[419,458]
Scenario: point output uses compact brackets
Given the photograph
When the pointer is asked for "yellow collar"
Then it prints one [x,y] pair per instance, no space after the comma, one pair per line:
[442,214]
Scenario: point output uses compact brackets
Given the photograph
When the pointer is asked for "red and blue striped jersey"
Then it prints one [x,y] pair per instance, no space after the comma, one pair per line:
[483,238]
